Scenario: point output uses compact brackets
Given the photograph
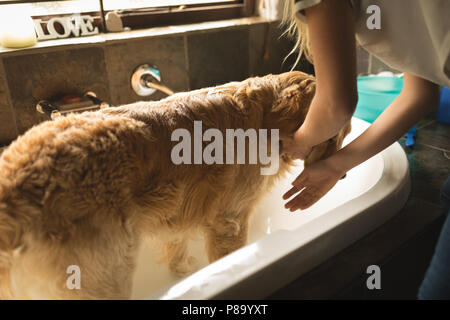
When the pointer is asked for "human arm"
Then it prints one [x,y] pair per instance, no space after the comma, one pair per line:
[416,100]
[332,41]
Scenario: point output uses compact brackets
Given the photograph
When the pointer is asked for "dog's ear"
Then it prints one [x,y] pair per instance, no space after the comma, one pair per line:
[296,95]
[329,147]
[290,108]
[321,151]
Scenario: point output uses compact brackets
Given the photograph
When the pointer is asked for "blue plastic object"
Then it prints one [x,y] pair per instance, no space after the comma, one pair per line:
[443,113]
[411,137]
[375,94]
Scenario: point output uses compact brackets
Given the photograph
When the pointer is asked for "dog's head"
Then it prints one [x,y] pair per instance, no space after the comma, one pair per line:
[294,92]
[329,147]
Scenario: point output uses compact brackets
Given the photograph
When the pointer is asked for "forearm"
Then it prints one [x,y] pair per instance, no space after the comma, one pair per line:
[335,67]
[323,121]
[415,101]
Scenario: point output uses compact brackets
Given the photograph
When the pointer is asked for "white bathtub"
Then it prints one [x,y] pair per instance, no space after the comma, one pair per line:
[283,245]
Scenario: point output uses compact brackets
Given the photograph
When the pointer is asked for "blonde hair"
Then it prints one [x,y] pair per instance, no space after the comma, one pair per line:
[298,30]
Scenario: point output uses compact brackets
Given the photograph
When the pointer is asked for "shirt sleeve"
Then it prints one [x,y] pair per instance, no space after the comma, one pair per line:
[301,5]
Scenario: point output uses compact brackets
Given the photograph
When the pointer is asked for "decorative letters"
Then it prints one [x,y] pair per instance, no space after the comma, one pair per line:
[77,26]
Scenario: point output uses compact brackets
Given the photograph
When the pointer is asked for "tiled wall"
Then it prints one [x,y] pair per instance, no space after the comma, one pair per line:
[186,61]
[167,53]
[44,76]
[8,129]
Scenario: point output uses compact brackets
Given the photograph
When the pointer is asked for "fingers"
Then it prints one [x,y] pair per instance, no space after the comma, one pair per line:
[304,200]
[309,194]
[290,193]
[298,185]
[291,148]
[311,185]
[290,205]
[301,180]
[297,201]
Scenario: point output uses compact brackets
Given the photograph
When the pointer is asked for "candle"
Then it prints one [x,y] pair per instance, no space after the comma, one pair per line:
[16,28]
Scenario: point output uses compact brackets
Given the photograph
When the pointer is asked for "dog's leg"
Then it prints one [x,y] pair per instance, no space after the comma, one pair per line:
[179,261]
[5,289]
[227,233]
[100,267]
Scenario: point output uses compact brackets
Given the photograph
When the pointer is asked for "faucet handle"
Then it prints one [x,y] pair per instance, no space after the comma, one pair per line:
[146,80]
[45,107]
[69,104]
[93,97]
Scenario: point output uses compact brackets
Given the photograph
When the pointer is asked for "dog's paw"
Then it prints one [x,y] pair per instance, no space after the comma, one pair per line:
[183,268]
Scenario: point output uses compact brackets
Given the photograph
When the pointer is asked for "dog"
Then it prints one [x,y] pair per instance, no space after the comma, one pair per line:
[85,189]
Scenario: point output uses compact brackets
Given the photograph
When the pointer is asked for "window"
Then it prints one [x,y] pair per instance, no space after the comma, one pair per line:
[137,4]
[135,13]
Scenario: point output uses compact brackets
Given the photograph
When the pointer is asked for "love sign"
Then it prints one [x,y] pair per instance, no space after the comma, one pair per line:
[77,26]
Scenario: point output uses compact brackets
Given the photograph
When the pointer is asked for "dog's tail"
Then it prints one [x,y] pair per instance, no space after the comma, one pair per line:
[9,238]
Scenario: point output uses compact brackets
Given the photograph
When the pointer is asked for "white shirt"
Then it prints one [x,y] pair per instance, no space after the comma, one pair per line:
[414,36]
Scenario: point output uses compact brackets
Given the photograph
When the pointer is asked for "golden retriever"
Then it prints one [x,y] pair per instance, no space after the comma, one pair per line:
[85,189]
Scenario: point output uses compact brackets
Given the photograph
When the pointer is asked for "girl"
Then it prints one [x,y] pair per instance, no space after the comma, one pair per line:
[412,36]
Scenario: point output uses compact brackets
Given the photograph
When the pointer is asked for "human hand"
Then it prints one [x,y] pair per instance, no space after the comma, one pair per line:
[295,147]
[313,183]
